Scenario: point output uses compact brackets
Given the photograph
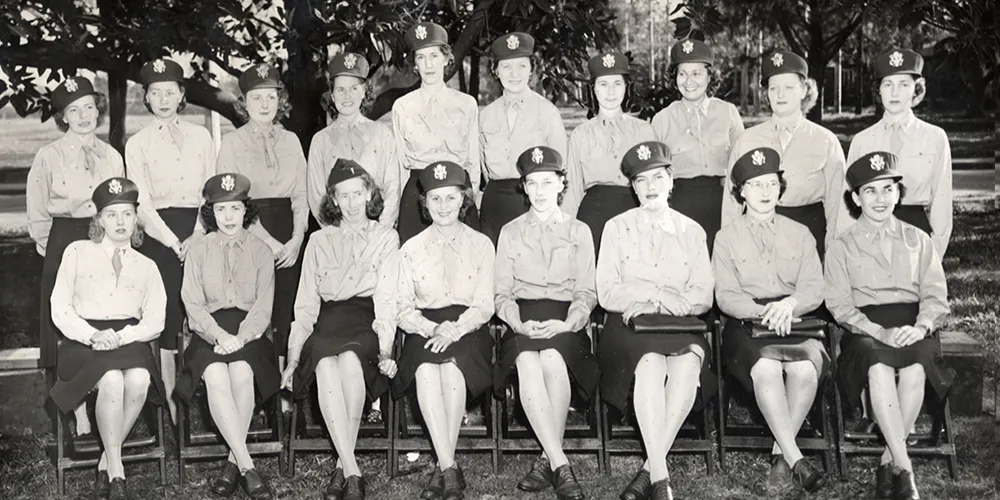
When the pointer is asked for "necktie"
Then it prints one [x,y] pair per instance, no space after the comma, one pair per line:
[885,244]
[896,138]
[784,136]
[761,238]
[90,156]
[268,138]
[116,263]
[512,112]
[176,134]
[356,139]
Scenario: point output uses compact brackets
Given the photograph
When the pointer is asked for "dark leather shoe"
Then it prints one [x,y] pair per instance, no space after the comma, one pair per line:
[225,484]
[905,486]
[334,488]
[453,483]
[255,486]
[779,476]
[662,491]
[883,481]
[435,486]
[354,488]
[807,476]
[116,490]
[564,481]
[102,485]
[538,478]
[639,488]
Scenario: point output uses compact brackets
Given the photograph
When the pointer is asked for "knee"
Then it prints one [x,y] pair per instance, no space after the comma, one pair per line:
[240,373]
[685,369]
[136,380]
[326,368]
[651,365]
[880,374]
[216,377]
[766,371]
[912,375]
[552,363]
[529,366]
[350,365]
[802,373]
[112,380]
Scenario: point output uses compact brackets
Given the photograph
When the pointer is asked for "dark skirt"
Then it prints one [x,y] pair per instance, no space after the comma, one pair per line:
[619,350]
[342,326]
[574,347]
[181,221]
[811,216]
[81,367]
[65,230]
[700,198]
[502,203]
[276,217]
[259,354]
[600,204]
[861,352]
[473,354]
[411,219]
[915,215]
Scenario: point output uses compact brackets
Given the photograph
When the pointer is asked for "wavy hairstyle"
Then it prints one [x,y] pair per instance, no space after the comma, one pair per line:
[919,91]
[714,80]
[95,231]
[100,101]
[593,106]
[808,100]
[207,213]
[326,100]
[331,214]
[468,201]
[180,106]
[559,198]
[284,107]
[855,210]
[782,183]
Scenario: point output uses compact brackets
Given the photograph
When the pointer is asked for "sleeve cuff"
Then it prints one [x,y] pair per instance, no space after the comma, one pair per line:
[427,327]
[928,324]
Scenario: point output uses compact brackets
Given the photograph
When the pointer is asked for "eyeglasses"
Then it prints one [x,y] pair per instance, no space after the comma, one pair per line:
[760,186]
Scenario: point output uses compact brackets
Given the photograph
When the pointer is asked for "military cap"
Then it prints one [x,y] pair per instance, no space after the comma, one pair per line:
[755,163]
[348,64]
[71,89]
[513,45]
[226,187]
[261,76]
[691,51]
[425,34]
[114,191]
[872,167]
[343,170]
[645,156]
[539,159]
[608,63]
[782,62]
[899,62]
[442,174]
[161,70]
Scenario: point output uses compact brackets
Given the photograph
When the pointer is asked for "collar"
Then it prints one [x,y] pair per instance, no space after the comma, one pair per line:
[354,120]
[74,141]
[156,122]
[903,121]
[109,247]
[702,106]
[557,217]
[516,99]
[755,223]
[439,236]
[432,93]
[791,124]
[363,231]
[615,121]
[891,228]
[665,221]
[257,129]
[238,240]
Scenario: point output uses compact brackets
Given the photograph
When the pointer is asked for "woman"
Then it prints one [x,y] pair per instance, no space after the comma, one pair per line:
[228,293]
[545,293]
[108,302]
[812,155]
[922,147]
[597,190]
[766,267]
[345,316]
[169,159]
[58,195]
[519,119]
[271,157]
[699,130]
[885,285]
[434,123]
[352,136]
[445,300]
[653,260]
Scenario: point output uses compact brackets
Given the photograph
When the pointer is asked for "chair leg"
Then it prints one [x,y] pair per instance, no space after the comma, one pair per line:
[602,468]
[279,418]
[60,453]
[706,421]
[161,444]
[292,436]
[722,415]
[182,411]
[390,434]
[950,441]
[495,424]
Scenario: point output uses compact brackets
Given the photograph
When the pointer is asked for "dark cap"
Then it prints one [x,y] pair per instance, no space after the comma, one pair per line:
[348,64]
[691,51]
[539,159]
[611,62]
[71,89]
[872,167]
[226,187]
[343,170]
[425,34]
[513,45]
[782,62]
[161,70]
[645,156]
[755,163]
[899,62]
[260,76]
[442,174]
[114,191]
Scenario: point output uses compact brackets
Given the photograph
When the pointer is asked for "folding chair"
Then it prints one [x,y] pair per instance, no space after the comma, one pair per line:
[410,434]
[938,443]
[75,453]
[207,443]
[755,435]
[586,436]
[621,432]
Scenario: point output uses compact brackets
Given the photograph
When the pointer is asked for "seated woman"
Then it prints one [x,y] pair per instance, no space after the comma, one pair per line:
[545,292]
[445,299]
[345,316]
[228,292]
[653,260]
[109,303]
[886,286]
[767,267]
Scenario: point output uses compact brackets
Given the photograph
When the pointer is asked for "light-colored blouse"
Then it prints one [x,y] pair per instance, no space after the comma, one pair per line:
[699,137]
[537,123]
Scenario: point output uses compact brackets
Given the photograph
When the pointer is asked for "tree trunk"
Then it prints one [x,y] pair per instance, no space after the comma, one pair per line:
[817,71]
[211,98]
[474,62]
[463,86]
[304,74]
[117,108]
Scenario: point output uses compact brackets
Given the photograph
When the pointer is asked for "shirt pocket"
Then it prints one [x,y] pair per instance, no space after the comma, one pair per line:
[495,142]
[788,264]
[245,284]
[562,267]
[919,167]
[528,269]
[327,278]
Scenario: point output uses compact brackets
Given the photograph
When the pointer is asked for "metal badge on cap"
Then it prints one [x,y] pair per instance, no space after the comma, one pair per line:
[608,60]
[440,172]
[421,33]
[777,59]
[262,71]
[228,183]
[758,158]
[349,61]
[687,46]
[537,156]
[159,66]
[71,85]
[643,153]
[896,59]
[115,186]
[513,42]
[878,164]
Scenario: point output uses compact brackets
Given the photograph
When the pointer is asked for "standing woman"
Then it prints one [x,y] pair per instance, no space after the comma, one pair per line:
[169,159]
[271,157]
[545,293]
[345,316]
[923,149]
[597,188]
[58,195]
[699,130]
[653,260]
[445,299]
[518,120]
[434,123]
[228,292]
[766,267]
[353,136]
[812,155]
[108,301]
